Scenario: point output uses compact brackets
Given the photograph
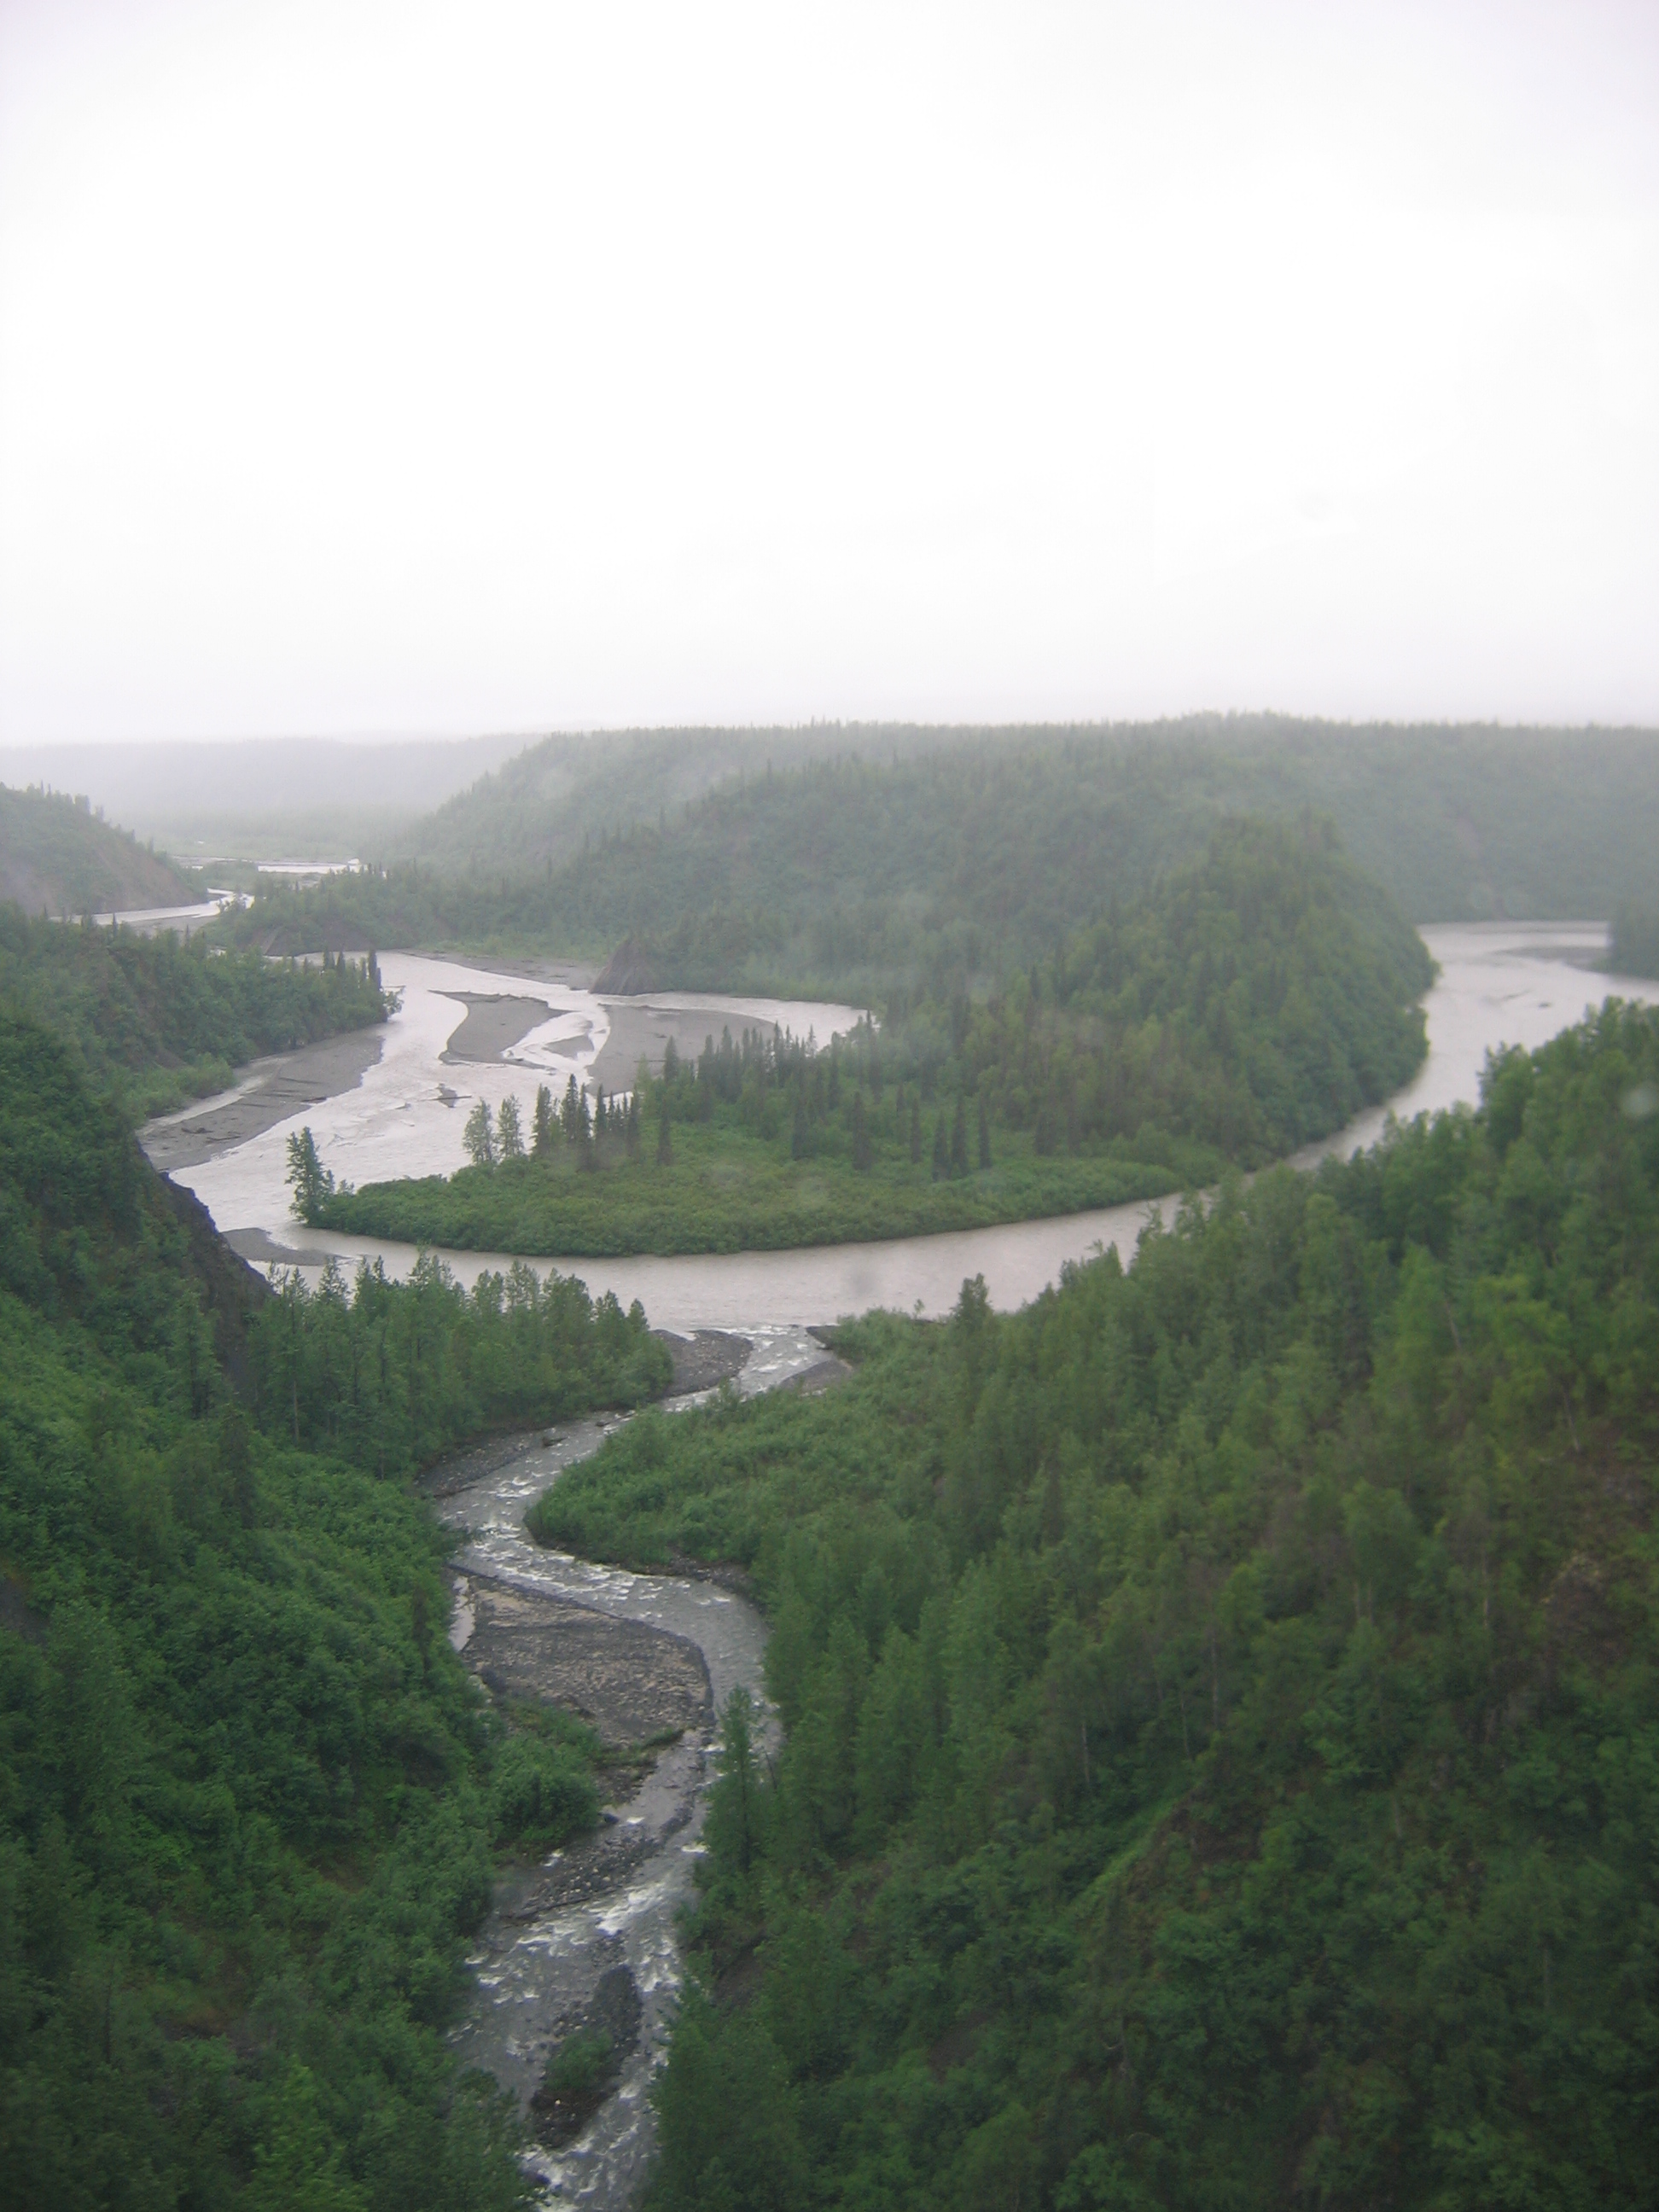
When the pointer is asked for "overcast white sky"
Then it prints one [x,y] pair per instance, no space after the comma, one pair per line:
[404,368]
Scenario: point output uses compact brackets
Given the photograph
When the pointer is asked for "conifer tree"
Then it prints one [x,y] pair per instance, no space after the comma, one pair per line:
[941,1149]
[479,1136]
[863,1152]
[310,1180]
[545,1123]
[984,1133]
[570,1112]
[959,1137]
[509,1135]
[665,1136]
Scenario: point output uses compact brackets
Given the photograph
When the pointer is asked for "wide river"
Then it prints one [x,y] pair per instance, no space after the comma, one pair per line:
[1499,983]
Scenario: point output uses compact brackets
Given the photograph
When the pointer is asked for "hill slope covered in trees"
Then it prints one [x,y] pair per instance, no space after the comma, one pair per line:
[866,860]
[248,1798]
[158,1021]
[1222,1700]
[57,857]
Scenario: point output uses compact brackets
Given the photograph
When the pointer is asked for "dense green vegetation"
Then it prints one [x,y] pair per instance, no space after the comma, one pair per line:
[390,1375]
[1259,998]
[248,1796]
[57,857]
[160,1021]
[1633,942]
[864,862]
[1222,1757]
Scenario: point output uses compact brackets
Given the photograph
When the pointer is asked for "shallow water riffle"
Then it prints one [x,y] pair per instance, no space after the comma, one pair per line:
[548,1959]
[542,1956]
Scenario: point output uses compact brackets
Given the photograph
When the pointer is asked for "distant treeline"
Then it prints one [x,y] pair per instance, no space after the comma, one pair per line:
[1220,1759]
[1257,999]
[923,866]
[161,1021]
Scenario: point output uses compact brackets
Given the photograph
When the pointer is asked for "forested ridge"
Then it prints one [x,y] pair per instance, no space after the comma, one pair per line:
[869,860]
[1258,997]
[249,1801]
[56,856]
[159,1021]
[1221,1755]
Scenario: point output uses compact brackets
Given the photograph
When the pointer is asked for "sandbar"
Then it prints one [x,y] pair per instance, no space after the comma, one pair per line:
[268,1091]
[495,1021]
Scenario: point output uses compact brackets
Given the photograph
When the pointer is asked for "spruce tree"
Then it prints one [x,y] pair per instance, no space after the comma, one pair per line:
[941,1149]
[863,1150]
[959,1137]
[509,1135]
[665,1136]
[479,1136]
[310,1180]
[545,1123]
[570,1112]
[984,1133]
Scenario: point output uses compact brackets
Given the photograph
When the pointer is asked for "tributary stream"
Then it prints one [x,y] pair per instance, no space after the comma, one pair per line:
[587,1938]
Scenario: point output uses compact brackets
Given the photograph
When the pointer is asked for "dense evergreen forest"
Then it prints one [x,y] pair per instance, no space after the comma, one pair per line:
[1221,1762]
[58,857]
[249,1801]
[919,860]
[1259,998]
[160,1021]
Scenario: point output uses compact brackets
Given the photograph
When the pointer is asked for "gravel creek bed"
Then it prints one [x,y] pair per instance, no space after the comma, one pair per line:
[586,1939]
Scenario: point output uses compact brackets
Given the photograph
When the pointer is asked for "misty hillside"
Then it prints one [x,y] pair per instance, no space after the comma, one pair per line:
[266,798]
[58,856]
[553,799]
[1457,821]
[913,857]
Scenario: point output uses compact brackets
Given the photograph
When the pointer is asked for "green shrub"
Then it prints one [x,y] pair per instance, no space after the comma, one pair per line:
[541,1794]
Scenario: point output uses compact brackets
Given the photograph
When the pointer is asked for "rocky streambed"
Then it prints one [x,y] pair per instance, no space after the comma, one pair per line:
[578,1961]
